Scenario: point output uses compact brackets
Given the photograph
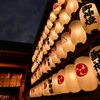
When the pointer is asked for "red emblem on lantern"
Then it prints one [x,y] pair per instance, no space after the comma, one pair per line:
[64,40]
[81,70]
[45,85]
[44,62]
[32,91]
[55,6]
[60,79]
[69,31]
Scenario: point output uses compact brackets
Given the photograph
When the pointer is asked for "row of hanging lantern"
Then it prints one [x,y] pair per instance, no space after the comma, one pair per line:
[75,35]
[67,44]
[55,25]
[84,74]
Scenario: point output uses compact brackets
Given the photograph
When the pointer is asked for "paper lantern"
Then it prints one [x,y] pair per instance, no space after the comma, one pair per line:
[45,62]
[55,84]
[49,41]
[52,16]
[46,30]
[58,27]
[49,24]
[33,78]
[70,79]
[34,66]
[48,87]
[46,45]
[50,62]
[66,43]
[71,6]
[60,2]
[33,58]
[85,74]
[94,55]
[53,34]
[77,33]
[61,81]
[53,56]
[59,50]
[89,17]
[40,43]
[64,18]
[32,92]
[44,35]
[56,8]
[40,70]
[43,68]
[40,56]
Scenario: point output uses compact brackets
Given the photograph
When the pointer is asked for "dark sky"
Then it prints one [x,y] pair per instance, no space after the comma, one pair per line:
[20,19]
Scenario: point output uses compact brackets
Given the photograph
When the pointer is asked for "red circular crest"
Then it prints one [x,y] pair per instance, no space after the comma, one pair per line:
[81,70]
[45,85]
[60,79]
[66,3]
[55,6]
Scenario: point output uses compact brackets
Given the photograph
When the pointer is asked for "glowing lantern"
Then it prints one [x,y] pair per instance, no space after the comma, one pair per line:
[44,35]
[77,33]
[53,56]
[55,84]
[32,92]
[60,2]
[47,67]
[70,79]
[49,41]
[56,8]
[53,34]
[40,70]
[89,17]
[43,68]
[46,45]
[40,56]
[66,43]
[64,18]
[33,58]
[46,30]
[33,78]
[46,87]
[59,50]
[71,6]
[52,16]
[38,90]
[58,27]
[49,24]
[34,66]
[94,55]
[40,42]
[61,81]
[85,74]
[50,62]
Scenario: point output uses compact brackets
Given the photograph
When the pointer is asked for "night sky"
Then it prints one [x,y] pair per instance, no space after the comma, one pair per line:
[20,19]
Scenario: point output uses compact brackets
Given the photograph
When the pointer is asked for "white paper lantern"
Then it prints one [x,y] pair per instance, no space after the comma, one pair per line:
[56,8]
[85,74]
[70,79]
[61,81]
[77,33]
[46,45]
[34,66]
[52,16]
[49,41]
[33,58]
[32,92]
[47,87]
[40,56]
[38,90]
[66,43]
[40,43]
[43,68]
[53,34]
[55,84]
[58,27]
[46,30]
[53,56]
[47,67]
[71,6]
[59,50]
[64,18]
[44,35]
[89,17]
[94,55]
[49,24]
[50,62]
[40,70]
